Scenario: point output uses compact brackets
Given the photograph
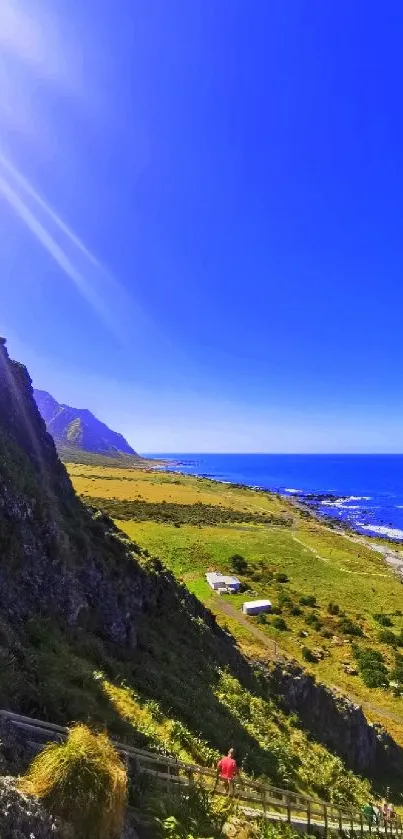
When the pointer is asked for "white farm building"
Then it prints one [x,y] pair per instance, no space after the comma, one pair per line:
[222,583]
[256,607]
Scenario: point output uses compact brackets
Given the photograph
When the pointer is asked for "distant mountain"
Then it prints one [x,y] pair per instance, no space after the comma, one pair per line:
[76,429]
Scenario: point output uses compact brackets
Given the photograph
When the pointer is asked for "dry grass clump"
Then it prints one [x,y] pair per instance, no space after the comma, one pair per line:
[83,781]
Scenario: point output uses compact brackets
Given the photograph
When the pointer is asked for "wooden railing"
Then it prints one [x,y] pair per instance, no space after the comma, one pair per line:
[255,798]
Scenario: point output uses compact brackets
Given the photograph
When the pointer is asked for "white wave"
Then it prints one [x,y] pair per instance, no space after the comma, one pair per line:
[293,491]
[344,503]
[393,532]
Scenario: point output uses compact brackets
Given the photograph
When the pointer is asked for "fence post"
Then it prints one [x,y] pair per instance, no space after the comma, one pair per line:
[340,822]
[308,816]
[352,823]
[288,809]
[325,817]
[362,824]
[264,801]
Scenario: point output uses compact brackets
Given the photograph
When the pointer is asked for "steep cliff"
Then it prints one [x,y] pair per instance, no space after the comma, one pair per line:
[55,558]
[92,628]
[79,429]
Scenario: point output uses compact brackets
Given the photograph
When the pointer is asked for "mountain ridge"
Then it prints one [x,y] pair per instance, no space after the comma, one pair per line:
[79,429]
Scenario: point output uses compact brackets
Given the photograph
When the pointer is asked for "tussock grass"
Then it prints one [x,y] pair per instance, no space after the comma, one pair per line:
[83,781]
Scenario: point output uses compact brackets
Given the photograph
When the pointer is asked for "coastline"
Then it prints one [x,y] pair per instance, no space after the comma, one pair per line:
[297,499]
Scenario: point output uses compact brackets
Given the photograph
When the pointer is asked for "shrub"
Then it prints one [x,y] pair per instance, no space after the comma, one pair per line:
[386,636]
[267,830]
[308,655]
[279,623]
[307,600]
[348,627]
[313,620]
[280,577]
[333,608]
[185,816]
[372,669]
[396,674]
[83,781]
[383,620]
[295,611]
[374,678]
[284,600]
[239,564]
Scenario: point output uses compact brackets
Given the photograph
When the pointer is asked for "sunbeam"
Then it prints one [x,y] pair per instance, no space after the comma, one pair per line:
[29,189]
[93,281]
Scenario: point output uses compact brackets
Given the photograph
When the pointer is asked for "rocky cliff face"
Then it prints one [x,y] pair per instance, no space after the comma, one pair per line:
[336,722]
[56,559]
[78,428]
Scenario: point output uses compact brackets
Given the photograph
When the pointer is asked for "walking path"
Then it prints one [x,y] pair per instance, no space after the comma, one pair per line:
[255,799]
[340,567]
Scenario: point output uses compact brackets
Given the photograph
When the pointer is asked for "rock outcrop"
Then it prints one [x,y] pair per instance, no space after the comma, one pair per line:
[79,428]
[57,558]
[23,816]
[336,722]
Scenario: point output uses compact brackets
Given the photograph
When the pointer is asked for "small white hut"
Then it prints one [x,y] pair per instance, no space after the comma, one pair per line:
[220,582]
[256,607]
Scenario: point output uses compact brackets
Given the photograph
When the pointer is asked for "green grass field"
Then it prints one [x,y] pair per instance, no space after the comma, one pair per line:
[316,562]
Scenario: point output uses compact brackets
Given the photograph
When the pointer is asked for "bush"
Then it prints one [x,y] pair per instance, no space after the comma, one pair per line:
[333,608]
[372,669]
[383,620]
[239,564]
[386,636]
[307,600]
[313,620]
[83,781]
[295,611]
[178,816]
[348,627]
[308,655]
[396,674]
[279,623]
[284,599]
[374,678]
[280,577]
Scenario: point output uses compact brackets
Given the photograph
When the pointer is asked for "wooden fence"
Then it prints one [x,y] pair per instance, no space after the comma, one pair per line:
[256,799]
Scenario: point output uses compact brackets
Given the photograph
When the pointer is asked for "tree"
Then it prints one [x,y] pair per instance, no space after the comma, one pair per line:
[239,564]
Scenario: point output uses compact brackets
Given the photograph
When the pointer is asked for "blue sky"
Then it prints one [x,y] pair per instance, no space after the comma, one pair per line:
[201,213]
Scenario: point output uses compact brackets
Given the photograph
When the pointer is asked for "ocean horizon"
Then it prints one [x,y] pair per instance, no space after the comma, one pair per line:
[365,491]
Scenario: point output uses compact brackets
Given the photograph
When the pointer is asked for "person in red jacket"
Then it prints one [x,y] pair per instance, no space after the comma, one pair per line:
[227,770]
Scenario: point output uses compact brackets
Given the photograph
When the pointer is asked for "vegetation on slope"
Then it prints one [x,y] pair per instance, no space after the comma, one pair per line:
[333,591]
[79,428]
[83,781]
[87,628]
[195,514]
[71,454]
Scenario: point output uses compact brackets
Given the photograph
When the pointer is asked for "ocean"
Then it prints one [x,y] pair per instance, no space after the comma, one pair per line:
[363,491]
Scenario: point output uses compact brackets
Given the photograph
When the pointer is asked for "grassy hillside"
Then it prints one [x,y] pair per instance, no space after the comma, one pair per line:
[334,599]
[70,454]
[93,629]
